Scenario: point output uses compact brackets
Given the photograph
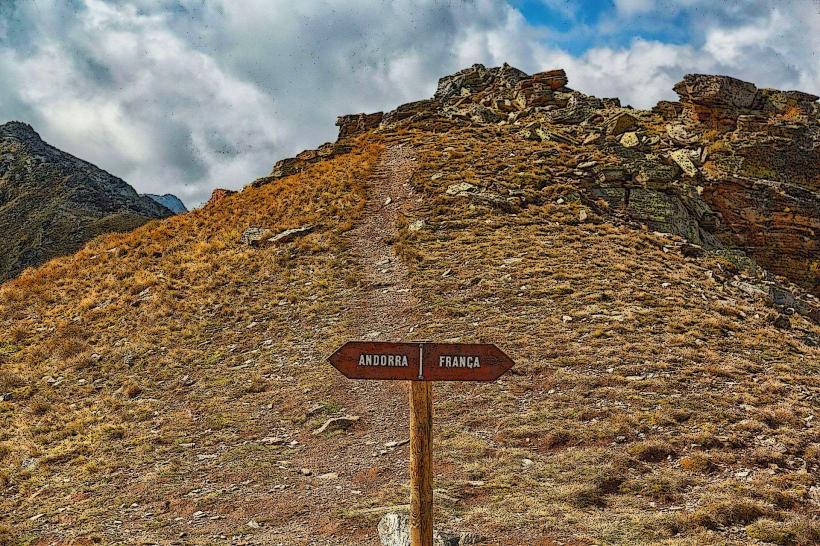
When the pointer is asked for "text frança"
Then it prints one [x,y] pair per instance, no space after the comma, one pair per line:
[444,361]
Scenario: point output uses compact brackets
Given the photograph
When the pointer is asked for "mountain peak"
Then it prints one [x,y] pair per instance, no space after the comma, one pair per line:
[19,130]
[51,202]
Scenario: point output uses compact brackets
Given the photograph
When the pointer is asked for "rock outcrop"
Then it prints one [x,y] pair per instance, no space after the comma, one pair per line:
[356,124]
[218,195]
[728,166]
[51,202]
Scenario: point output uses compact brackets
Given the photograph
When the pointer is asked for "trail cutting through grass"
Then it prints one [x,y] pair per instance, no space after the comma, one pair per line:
[389,312]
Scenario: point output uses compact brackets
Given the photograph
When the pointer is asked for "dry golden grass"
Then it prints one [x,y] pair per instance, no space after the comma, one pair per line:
[650,404]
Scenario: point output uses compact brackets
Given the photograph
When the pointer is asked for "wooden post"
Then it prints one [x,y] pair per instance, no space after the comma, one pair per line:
[421,464]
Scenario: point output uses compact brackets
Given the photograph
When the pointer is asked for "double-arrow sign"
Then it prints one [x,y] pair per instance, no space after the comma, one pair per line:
[421,363]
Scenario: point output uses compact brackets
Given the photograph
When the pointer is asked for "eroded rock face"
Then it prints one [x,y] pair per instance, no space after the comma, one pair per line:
[776,223]
[764,176]
[716,101]
[356,124]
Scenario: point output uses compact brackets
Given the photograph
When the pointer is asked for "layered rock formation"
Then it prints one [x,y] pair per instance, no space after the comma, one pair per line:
[51,202]
[728,166]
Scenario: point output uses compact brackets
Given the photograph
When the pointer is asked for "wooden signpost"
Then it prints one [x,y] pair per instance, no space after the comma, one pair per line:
[420,363]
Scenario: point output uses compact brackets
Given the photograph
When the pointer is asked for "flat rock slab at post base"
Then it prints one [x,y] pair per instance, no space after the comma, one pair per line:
[394,530]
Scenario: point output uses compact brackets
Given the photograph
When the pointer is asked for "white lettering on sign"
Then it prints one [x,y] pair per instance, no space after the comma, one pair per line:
[445,361]
[383,360]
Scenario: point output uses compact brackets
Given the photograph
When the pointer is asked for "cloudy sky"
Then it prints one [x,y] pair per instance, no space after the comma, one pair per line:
[183,96]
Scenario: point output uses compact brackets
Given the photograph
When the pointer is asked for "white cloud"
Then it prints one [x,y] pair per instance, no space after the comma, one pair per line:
[187,95]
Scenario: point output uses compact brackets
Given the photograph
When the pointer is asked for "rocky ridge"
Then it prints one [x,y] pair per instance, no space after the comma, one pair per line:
[169,384]
[730,167]
[51,202]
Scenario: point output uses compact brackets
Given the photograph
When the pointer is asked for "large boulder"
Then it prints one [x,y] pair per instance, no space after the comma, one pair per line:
[717,101]
[716,91]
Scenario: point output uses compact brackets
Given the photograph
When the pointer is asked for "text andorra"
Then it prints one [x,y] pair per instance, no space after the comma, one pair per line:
[383,360]
[400,361]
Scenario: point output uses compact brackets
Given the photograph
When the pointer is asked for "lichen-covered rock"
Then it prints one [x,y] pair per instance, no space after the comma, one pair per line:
[620,123]
[683,159]
[255,236]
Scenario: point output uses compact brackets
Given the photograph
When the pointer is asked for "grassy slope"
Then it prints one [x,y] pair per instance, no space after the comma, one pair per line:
[644,390]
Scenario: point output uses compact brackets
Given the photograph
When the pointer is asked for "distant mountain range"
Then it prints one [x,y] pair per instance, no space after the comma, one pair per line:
[169,201]
[51,202]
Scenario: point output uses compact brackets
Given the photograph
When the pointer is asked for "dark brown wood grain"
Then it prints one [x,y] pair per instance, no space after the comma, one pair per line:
[440,361]
[421,464]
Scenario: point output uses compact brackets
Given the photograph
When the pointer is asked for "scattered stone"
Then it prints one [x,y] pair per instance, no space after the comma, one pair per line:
[29,463]
[305,472]
[272,441]
[329,476]
[461,187]
[630,139]
[254,236]
[592,138]
[5,397]
[417,225]
[582,216]
[290,234]
[681,157]
[692,251]
[396,443]
[337,423]
[782,322]
[620,123]
[253,524]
